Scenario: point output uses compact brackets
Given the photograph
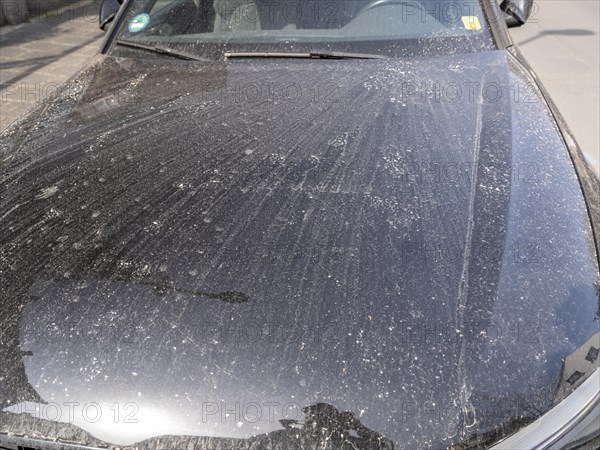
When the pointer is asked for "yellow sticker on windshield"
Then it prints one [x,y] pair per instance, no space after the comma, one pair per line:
[471,22]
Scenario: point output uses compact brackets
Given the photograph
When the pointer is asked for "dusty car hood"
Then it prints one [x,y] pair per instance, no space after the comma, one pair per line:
[221,250]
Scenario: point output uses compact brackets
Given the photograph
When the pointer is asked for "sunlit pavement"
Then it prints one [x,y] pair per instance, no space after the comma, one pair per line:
[36,57]
[562,43]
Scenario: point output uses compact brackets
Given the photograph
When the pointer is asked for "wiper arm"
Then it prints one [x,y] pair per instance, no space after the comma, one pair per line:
[305,55]
[162,50]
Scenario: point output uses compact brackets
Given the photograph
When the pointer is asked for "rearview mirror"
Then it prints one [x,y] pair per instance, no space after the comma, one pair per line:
[517,11]
[108,11]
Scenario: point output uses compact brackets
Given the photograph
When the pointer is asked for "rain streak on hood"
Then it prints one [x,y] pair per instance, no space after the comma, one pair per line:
[395,251]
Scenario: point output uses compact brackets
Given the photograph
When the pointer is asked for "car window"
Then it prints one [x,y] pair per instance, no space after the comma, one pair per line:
[379,26]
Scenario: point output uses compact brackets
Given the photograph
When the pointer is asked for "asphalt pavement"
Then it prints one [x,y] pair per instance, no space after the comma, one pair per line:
[36,56]
[561,41]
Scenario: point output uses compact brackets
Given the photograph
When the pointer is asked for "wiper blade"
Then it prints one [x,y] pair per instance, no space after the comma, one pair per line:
[162,50]
[306,55]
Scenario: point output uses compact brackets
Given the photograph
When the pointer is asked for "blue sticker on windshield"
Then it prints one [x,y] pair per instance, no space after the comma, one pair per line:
[139,22]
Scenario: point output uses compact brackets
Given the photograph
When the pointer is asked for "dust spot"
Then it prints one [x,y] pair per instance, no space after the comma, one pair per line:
[47,192]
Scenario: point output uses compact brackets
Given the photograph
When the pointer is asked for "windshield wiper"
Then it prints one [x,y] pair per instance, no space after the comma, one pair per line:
[306,55]
[162,50]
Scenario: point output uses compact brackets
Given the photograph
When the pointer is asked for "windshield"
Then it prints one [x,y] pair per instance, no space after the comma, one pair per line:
[391,28]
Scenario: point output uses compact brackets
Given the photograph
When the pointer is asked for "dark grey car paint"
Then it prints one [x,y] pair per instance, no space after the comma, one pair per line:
[422,262]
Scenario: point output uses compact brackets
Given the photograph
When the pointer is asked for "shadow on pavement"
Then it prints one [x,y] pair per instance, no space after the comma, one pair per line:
[47,26]
[59,34]
[38,63]
[570,32]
